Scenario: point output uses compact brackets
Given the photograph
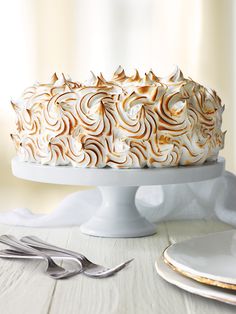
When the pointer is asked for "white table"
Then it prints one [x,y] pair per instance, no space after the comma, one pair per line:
[24,289]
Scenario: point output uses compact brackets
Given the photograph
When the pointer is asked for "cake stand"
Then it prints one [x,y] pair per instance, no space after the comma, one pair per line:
[117,216]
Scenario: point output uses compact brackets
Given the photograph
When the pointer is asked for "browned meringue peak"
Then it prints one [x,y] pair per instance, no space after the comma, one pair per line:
[101,82]
[152,76]
[134,78]
[175,77]
[14,105]
[147,79]
[101,77]
[119,74]
[54,78]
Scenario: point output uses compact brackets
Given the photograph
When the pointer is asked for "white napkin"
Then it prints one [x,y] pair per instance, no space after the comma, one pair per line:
[207,199]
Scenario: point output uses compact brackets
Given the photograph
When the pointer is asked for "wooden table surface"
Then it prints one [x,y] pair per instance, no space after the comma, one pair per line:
[24,289]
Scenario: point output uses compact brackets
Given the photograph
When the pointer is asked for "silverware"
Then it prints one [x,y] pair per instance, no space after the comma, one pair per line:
[88,268]
[53,270]
[20,255]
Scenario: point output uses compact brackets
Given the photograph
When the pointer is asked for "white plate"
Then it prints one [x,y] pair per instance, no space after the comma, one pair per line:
[211,256]
[226,296]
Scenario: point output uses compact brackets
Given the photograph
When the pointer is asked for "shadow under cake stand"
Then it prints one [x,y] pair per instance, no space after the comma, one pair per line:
[118,215]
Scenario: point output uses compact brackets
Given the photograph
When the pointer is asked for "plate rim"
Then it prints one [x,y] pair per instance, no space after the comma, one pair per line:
[200,279]
[186,268]
[199,289]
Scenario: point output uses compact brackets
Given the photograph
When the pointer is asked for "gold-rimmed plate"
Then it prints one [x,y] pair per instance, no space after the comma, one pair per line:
[208,259]
[201,279]
[192,286]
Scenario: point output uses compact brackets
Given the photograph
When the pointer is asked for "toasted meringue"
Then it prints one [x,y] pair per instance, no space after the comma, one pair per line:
[125,122]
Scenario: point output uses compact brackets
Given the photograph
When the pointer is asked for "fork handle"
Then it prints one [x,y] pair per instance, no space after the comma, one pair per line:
[35,242]
[23,247]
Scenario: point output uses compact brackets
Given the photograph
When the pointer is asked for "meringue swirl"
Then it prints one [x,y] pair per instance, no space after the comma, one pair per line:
[125,122]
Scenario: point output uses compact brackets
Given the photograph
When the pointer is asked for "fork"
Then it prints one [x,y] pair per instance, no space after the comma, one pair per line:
[53,270]
[89,268]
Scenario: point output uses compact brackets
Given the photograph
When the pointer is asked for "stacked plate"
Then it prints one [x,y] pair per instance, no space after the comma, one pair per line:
[205,266]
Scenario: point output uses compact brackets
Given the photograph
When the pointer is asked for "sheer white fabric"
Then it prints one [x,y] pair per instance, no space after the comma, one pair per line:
[208,199]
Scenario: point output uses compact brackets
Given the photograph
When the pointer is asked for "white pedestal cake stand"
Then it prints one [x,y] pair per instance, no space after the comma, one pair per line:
[117,216]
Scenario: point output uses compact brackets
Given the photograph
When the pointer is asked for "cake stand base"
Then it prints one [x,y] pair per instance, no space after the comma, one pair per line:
[118,215]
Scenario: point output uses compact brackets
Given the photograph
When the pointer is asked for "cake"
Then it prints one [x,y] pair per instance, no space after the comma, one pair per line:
[124,122]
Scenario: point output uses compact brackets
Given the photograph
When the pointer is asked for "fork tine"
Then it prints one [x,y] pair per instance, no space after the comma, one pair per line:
[110,271]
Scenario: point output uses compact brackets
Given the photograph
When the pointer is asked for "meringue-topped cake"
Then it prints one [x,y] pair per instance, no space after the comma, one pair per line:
[124,122]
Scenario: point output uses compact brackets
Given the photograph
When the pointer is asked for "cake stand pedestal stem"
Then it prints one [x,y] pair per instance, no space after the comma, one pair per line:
[118,215]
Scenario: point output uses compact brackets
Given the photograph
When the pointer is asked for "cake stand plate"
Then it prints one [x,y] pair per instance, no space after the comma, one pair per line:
[117,216]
